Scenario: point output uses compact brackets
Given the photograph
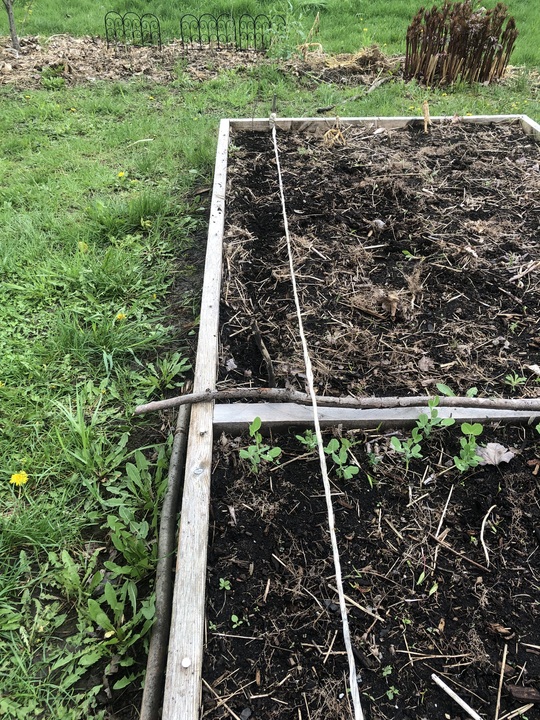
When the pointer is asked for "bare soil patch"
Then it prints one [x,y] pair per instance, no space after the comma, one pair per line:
[87,59]
[416,254]
[416,605]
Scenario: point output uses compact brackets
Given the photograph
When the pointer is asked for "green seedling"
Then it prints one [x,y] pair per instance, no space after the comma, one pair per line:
[514,381]
[308,440]
[258,452]
[426,423]
[409,255]
[448,392]
[467,457]
[224,584]
[236,621]
[371,480]
[411,448]
[339,452]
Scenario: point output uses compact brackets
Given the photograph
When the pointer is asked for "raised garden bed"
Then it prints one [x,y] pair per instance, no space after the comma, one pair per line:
[393,304]
[416,254]
[417,605]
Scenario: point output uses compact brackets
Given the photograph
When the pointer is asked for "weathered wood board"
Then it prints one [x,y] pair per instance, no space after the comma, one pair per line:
[235,418]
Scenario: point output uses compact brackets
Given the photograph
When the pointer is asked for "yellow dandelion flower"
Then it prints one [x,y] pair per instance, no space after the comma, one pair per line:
[121,316]
[121,174]
[20,478]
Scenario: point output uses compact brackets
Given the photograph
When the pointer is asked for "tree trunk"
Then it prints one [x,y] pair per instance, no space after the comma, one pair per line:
[12,29]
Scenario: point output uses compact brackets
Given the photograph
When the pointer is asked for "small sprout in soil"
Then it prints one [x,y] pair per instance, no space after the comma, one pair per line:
[236,621]
[514,380]
[467,455]
[448,392]
[257,453]
[426,423]
[445,390]
[373,459]
[537,428]
[410,256]
[387,670]
[339,452]
[371,480]
[410,448]
[392,692]
[212,626]
[308,439]
[224,584]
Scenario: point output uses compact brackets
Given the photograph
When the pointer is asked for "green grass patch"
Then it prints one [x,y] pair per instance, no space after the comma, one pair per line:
[345,25]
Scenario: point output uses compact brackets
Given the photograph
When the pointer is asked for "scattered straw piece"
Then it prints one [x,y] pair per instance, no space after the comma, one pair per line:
[468,709]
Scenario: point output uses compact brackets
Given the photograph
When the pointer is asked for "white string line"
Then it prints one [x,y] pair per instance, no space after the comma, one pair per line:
[353,683]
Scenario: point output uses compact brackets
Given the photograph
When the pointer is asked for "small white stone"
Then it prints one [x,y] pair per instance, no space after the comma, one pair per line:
[186,662]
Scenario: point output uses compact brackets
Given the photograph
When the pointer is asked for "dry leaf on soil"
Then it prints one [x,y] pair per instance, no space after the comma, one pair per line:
[494,453]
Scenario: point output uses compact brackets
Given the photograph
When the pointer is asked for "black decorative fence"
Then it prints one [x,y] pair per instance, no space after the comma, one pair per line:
[248,32]
[132,29]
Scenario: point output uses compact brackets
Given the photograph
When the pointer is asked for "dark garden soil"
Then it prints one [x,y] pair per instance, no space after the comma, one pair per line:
[416,604]
[416,254]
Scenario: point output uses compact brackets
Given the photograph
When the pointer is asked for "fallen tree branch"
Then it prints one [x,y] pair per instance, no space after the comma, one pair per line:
[283,395]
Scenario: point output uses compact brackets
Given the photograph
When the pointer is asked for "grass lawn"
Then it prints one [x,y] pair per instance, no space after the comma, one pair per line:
[101,239]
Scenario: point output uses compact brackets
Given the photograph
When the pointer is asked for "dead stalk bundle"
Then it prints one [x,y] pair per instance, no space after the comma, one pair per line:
[309,46]
[457,43]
